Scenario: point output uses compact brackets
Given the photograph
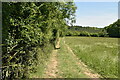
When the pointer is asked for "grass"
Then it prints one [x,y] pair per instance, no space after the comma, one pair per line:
[43,59]
[67,66]
[100,54]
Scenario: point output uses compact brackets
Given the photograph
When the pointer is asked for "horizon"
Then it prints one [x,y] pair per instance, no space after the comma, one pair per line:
[96,14]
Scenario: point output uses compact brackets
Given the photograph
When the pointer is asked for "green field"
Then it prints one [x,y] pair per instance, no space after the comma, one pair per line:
[67,64]
[100,54]
[81,57]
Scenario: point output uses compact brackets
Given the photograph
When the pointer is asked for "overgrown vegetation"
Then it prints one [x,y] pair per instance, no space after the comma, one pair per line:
[27,27]
[42,59]
[114,29]
[31,30]
[100,54]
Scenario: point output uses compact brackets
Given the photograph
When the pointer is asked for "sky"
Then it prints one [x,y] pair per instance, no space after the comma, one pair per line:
[96,14]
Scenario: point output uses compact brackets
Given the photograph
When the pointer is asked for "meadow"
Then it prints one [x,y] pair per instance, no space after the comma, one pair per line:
[31,33]
[99,54]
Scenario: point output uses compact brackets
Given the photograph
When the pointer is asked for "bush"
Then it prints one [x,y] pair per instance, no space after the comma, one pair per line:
[27,26]
[94,34]
[84,34]
[114,29]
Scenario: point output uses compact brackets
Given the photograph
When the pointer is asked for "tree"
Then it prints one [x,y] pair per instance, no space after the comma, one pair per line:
[27,26]
[114,29]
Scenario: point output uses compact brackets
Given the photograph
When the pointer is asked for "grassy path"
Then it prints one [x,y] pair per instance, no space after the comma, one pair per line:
[51,70]
[63,63]
[77,56]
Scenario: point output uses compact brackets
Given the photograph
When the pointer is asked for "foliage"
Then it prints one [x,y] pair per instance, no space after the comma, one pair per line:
[43,57]
[114,29]
[86,31]
[28,26]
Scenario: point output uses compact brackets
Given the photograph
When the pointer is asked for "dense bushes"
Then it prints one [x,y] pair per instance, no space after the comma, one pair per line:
[114,29]
[27,27]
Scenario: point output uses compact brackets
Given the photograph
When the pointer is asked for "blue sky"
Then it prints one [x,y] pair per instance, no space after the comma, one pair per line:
[96,14]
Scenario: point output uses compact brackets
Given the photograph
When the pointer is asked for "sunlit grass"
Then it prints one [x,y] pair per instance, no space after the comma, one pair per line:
[67,64]
[100,54]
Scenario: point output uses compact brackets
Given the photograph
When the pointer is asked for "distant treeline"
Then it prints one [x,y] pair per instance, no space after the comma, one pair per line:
[86,31]
[109,31]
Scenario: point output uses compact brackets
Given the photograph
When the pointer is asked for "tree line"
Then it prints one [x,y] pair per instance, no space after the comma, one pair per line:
[28,26]
[86,31]
[113,30]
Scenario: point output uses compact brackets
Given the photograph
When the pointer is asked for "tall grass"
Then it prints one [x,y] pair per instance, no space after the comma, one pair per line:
[100,54]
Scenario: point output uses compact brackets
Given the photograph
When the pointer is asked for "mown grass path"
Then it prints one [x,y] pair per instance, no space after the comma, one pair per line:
[63,63]
[51,70]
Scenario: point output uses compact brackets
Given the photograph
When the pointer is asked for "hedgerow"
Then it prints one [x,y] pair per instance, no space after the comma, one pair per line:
[27,27]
